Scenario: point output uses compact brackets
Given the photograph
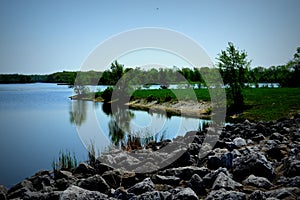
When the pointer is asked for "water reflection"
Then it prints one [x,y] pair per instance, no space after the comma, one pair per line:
[78,112]
[119,124]
[106,108]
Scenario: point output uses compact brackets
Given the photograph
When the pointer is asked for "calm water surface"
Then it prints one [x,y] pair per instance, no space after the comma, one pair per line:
[38,120]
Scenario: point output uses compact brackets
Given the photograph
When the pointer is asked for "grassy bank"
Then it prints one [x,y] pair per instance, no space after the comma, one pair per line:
[260,103]
[270,103]
[167,94]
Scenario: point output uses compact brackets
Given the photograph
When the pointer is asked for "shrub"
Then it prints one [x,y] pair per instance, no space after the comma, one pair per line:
[107,93]
[150,98]
[168,97]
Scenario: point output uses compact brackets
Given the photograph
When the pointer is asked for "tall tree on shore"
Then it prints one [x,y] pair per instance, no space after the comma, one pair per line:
[233,64]
[296,69]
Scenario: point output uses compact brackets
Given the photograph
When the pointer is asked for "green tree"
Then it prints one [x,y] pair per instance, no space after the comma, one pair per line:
[233,64]
[296,69]
[117,71]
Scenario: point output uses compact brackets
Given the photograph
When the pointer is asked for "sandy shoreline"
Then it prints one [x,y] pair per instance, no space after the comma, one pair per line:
[183,108]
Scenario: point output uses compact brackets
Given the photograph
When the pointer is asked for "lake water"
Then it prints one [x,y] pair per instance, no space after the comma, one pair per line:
[38,120]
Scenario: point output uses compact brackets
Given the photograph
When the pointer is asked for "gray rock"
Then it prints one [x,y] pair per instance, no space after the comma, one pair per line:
[20,189]
[289,182]
[74,192]
[146,167]
[156,195]
[63,174]
[185,173]
[62,184]
[210,178]
[145,186]
[116,178]
[101,167]
[55,195]
[292,167]
[259,182]
[194,149]
[95,183]
[258,137]
[3,192]
[277,136]
[223,181]
[235,153]
[169,180]
[197,184]
[239,142]
[223,194]
[222,158]
[42,182]
[252,163]
[184,194]
[257,194]
[276,151]
[122,194]
[84,169]
[183,160]
[284,193]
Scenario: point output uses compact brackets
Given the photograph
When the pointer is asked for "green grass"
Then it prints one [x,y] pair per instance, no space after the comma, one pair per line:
[66,161]
[264,104]
[270,103]
[161,94]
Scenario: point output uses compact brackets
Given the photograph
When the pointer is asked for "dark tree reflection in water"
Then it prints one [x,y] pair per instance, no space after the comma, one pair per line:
[78,113]
[119,124]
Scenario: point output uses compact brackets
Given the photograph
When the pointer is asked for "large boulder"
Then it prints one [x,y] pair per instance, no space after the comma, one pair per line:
[74,192]
[84,169]
[63,174]
[197,184]
[116,178]
[185,173]
[184,194]
[224,194]
[284,193]
[157,195]
[54,195]
[221,158]
[210,178]
[289,182]
[145,186]
[252,163]
[224,181]
[101,167]
[3,192]
[19,190]
[95,183]
[257,194]
[42,181]
[122,194]
[259,182]
[292,166]
[169,180]
[239,142]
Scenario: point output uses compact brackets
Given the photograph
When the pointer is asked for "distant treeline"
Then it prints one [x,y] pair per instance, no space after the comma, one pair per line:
[57,77]
[286,75]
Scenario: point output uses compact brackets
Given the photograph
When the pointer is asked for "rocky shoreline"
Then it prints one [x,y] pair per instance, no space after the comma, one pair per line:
[248,161]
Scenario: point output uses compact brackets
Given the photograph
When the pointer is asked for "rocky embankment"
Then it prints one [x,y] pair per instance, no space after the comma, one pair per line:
[248,161]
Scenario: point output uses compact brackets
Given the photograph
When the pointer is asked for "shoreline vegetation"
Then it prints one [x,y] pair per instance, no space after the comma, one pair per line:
[261,104]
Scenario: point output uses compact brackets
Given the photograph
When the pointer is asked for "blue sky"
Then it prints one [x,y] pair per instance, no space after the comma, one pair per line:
[39,37]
